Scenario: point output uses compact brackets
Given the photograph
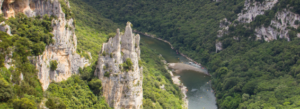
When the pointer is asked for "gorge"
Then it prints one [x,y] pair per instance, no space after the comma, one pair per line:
[61,54]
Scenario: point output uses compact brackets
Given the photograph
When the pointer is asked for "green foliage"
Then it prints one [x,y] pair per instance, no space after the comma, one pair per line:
[66,9]
[53,65]
[110,35]
[86,73]
[156,75]
[248,74]
[107,74]
[104,53]
[190,25]
[92,29]
[76,93]
[128,64]
[24,103]
[6,91]
[55,103]
[4,45]
[95,86]
[30,36]
[111,55]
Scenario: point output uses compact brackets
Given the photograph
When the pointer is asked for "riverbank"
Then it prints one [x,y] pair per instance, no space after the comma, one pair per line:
[176,81]
[154,36]
[181,67]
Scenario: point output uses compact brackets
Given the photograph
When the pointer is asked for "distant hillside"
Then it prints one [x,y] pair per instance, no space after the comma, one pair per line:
[91,28]
[249,46]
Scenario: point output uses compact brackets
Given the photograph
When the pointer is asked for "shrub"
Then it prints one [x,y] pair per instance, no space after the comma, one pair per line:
[128,64]
[106,74]
[24,103]
[297,22]
[111,55]
[6,91]
[96,86]
[53,65]
[55,104]
[104,53]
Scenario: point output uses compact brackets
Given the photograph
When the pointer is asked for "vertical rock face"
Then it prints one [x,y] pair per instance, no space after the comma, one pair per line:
[64,48]
[121,88]
[279,26]
[252,8]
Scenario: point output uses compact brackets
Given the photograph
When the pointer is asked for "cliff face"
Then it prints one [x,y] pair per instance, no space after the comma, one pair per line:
[277,29]
[64,48]
[252,8]
[121,88]
[279,26]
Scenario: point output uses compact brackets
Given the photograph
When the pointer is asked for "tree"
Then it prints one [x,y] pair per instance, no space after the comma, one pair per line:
[6,91]
[24,103]
[55,103]
[96,86]
[53,65]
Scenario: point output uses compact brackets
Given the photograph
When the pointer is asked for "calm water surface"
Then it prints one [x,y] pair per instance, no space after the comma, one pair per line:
[200,94]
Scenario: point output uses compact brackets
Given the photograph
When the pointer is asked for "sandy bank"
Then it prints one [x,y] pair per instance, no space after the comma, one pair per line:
[180,67]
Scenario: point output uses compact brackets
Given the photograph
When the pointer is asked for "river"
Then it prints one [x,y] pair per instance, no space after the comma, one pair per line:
[200,94]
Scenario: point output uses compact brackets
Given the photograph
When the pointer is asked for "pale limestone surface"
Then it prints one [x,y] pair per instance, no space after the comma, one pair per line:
[64,48]
[122,89]
[279,26]
[252,9]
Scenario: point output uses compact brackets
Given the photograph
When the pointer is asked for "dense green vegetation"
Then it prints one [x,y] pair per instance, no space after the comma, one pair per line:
[190,25]
[155,75]
[247,73]
[53,65]
[76,93]
[30,36]
[91,28]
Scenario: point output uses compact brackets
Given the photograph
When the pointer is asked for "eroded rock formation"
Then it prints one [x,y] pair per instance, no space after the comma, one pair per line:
[279,26]
[64,48]
[122,88]
[252,8]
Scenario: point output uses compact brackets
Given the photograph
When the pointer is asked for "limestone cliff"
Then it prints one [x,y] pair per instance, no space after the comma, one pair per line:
[64,48]
[122,88]
[252,8]
[280,25]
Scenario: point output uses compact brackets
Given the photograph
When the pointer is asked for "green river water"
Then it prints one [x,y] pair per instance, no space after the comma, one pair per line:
[200,95]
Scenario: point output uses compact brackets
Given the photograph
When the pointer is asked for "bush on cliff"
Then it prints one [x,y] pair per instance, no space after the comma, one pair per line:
[53,65]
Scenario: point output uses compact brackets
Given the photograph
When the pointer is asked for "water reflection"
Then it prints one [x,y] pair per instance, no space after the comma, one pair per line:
[200,94]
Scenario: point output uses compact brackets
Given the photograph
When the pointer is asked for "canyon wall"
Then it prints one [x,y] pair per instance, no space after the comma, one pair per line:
[64,48]
[122,86]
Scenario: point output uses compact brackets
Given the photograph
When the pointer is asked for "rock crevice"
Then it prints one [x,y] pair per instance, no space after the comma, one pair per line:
[122,87]
[64,48]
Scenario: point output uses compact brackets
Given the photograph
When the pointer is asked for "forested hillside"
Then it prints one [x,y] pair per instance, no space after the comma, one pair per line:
[190,25]
[155,76]
[248,73]
[92,29]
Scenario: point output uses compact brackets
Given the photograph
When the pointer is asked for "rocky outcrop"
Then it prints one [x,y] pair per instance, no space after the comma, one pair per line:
[122,88]
[279,26]
[64,48]
[31,7]
[224,25]
[5,28]
[252,8]
[218,46]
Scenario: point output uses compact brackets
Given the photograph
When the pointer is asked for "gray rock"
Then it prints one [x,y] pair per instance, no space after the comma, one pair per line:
[64,48]
[121,89]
